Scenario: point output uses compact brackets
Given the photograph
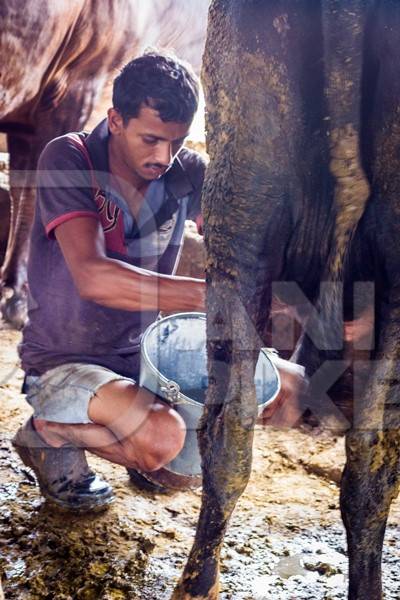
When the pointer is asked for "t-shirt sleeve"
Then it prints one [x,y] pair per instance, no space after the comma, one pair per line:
[65,184]
[195,167]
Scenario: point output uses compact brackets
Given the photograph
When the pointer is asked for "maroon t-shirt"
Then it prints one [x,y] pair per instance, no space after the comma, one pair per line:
[73,181]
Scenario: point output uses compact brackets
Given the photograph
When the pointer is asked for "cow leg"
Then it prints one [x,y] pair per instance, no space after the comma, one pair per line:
[49,122]
[371,475]
[370,483]
[226,446]
[4,221]
[22,198]
[226,481]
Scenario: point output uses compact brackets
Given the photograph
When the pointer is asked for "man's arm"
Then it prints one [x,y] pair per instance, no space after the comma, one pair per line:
[116,284]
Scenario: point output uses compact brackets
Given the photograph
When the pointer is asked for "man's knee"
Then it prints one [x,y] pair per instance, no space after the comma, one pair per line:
[159,440]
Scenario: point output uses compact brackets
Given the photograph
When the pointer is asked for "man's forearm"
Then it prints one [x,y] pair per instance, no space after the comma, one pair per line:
[118,285]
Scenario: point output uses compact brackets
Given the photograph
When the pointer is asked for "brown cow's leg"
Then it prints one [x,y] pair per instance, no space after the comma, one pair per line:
[371,476]
[4,221]
[49,122]
[225,484]
[22,160]
[226,445]
[370,483]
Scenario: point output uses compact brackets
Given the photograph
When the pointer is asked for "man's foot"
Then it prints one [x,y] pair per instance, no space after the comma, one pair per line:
[63,474]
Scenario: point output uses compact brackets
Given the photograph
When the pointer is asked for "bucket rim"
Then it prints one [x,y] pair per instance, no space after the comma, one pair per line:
[182,398]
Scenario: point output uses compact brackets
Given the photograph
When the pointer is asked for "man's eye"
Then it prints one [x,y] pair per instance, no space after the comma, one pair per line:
[178,145]
[150,140]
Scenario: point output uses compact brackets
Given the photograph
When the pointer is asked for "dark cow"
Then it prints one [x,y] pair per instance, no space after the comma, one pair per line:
[55,58]
[303,189]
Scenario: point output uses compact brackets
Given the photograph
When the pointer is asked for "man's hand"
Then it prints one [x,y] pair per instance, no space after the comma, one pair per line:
[361,329]
[285,410]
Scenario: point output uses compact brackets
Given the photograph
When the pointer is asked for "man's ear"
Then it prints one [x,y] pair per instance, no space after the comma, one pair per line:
[115,121]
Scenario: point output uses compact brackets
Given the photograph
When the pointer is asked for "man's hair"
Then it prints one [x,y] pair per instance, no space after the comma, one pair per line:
[160,81]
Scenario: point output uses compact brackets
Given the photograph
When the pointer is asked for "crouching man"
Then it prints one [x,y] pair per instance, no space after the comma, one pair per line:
[106,239]
[110,214]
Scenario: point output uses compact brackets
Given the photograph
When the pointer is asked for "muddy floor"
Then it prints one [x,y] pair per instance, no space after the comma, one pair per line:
[285,541]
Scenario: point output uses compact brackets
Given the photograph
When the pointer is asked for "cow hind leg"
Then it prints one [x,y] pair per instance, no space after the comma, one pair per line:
[71,114]
[225,477]
[371,476]
[370,483]
[13,273]
[4,221]
[226,439]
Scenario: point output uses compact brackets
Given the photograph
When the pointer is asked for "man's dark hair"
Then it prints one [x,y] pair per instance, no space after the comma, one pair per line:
[160,81]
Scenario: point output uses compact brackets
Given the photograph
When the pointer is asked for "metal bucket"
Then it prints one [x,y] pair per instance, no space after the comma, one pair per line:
[174,366]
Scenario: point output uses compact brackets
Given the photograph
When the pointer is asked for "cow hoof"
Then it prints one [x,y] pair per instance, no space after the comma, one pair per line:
[13,308]
[181,594]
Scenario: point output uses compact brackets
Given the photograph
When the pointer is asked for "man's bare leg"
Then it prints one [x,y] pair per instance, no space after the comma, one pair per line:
[131,427]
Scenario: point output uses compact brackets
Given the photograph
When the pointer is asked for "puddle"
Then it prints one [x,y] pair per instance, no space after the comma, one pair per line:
[16,569]
[8,492]
[290,566]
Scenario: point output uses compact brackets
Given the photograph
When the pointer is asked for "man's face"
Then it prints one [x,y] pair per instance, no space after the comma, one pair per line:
[146,144]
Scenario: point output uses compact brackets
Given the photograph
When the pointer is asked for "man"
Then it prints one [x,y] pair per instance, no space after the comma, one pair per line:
[106,239]
[108,228]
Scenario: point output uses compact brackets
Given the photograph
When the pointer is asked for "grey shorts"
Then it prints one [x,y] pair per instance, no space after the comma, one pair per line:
[63,394]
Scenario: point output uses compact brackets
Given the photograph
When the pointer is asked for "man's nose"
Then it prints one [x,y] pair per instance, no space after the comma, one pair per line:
[164,154]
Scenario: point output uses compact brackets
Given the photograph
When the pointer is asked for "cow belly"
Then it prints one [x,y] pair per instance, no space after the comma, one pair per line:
[35,39]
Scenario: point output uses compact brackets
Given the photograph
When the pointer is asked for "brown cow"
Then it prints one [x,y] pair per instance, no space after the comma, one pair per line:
[55,59]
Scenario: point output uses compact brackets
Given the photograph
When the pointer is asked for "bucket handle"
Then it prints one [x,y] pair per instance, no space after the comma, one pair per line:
[171,392]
